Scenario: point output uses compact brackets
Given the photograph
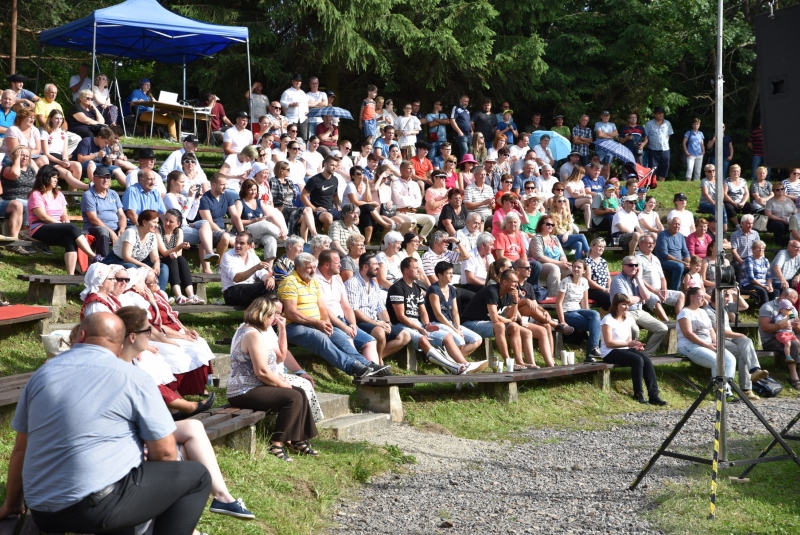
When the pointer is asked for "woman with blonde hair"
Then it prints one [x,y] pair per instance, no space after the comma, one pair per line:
[562,219]
[575,192]
[255,382]
[479,147]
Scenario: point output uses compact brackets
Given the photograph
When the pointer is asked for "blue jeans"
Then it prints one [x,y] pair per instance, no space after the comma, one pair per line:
[464,144]
[706,358]
[585,320]
[675,270]
[756,163]
[336,349]
[536,271]
[484,329]
[577,242]
[362,338]
[706,207]
[163,275]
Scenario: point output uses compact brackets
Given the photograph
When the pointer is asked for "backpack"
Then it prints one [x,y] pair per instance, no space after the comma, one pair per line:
[767,387]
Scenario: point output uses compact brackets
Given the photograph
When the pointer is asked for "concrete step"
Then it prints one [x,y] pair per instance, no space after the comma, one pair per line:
[50,327]
[333,405]
[353,426]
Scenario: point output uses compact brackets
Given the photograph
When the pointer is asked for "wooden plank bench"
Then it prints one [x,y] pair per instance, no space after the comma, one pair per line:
[382,394]
[23,313]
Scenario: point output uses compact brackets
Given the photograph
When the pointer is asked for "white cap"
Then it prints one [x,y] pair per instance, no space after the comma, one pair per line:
[257,168]
[491,156]
[632,198]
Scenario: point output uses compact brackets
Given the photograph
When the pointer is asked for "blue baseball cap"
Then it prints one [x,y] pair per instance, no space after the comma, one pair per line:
[144,81]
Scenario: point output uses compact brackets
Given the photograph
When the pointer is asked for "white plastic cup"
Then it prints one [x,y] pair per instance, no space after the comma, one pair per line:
[510,365]
[571,355]
[616,241]
[564,357]
[499,366]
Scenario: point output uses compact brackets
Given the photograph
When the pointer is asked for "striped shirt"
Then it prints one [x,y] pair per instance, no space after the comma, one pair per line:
[430,259]
[305,294]
[366,297]
[789,266]
[756,270]
[743,243]
[583,150]
[339,233]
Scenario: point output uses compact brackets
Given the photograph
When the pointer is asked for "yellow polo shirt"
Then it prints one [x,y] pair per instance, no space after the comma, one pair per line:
[306,295]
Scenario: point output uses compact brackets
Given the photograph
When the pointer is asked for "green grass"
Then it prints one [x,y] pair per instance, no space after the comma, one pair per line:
[768,504]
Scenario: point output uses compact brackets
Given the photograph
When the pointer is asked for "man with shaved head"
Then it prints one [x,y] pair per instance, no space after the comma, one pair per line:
[82,423]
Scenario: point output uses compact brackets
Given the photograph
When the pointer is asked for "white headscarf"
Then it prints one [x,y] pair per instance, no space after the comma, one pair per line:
[137,275]
[96,275]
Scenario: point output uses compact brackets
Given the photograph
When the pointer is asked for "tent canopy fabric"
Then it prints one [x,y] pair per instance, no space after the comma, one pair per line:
[143,29]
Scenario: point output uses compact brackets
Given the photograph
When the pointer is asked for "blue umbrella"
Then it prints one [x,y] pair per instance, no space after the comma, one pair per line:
[617,150]
[330,111]
[560,147]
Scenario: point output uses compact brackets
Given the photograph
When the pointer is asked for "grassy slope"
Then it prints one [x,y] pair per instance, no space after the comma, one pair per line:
[310,486]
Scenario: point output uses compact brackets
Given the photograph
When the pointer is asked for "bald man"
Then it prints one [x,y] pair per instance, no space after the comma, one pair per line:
[82,423]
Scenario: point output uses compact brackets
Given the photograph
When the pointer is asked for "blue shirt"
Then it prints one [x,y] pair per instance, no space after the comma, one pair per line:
[606,128]
[380,143]
[658,136]
[510,134]
[137,94]
[625,285]
[463,119]
[106,209]
[519,181]
[217,207]
[7,120]
[137,200]
[667,244]
[86,414]
[596,186]
[694,142]
[440,130]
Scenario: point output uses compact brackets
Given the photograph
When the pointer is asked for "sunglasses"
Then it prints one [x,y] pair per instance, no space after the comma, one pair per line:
[632,265]
[509,182]
[294,148]
[358,174]
[778,189]
[147,332]
[561,200]
[557,190]
[528,189]
[191,162]
[526,268]
[126,280]
[549,225]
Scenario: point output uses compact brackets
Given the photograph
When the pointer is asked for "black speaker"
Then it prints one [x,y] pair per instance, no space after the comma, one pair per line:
[779,85]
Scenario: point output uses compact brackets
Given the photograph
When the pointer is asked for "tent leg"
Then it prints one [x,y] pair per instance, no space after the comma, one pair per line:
[38,67]
[184,77]
[94,50]
[250,82]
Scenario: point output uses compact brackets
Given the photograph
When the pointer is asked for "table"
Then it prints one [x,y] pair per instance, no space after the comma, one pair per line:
[186,112]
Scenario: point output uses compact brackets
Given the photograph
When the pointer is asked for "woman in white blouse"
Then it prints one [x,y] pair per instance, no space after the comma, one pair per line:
[572,308]
[102,100]
[618,347]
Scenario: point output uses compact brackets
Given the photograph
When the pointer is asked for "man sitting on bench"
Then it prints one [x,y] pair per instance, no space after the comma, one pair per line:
[308,323]
[85,473]
[94,151]
[244,276]
[491,314]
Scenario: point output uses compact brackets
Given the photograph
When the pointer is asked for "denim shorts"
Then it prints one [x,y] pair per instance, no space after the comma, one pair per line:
[369,128]
[4,207]
[468,338]
[436,338]
[191,232]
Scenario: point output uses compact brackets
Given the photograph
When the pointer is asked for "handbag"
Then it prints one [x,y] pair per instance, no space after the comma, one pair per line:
[767,387]
[760,222]
[388,212]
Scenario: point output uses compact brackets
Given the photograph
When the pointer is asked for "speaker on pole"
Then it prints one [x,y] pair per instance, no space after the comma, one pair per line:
[779,85]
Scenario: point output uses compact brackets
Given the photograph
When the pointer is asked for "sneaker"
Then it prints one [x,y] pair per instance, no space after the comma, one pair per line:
[438,356]
[376,370]
[29,249]
[45,249]
[476,367]
[20,250]
[213,257]
[98,258]
[757,376]
[655,400]
[595,352]
[752,396]
[236,509]
[194,300]
[181,300]
[380,370]
[360,371]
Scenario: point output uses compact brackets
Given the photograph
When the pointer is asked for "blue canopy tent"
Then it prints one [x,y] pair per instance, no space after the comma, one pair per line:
[143,29]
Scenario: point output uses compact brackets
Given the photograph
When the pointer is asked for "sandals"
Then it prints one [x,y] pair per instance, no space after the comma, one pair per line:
[302,447]
[531,366]
[280,453]
[795,383]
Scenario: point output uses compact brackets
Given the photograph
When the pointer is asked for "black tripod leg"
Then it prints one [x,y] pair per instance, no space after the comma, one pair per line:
[672,435]
[719,385]
[777,437]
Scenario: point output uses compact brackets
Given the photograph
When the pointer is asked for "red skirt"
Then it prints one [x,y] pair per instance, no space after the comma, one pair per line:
[186,384]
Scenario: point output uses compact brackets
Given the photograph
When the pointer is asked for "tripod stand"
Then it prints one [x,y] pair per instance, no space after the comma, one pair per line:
[718,385]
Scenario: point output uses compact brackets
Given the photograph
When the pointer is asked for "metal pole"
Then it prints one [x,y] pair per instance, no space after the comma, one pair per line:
[250,84]
[718,249]
[94,51]
[184,77]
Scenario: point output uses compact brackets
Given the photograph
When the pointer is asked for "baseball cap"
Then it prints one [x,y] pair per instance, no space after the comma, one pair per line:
[242,114]
[146,153]
[679,197]
[191,138]
[641,190]
[631,198]
[610,186]
[101,170]
[605,112]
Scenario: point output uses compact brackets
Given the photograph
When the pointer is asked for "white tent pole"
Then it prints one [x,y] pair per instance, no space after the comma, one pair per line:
[94,51]
[250,84]
[184,77]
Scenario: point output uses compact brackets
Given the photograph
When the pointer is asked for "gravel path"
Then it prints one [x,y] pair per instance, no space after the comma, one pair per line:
[565,482]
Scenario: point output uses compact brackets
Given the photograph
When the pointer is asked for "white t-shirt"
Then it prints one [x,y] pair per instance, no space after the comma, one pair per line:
[620,331]
[519,152]
[545,187]
[133,178]
[687,220]
[543,154]
[313,162]
[651,219]
[476,265]
[351,188]
[237,139]
[701,325]
[407,124]
[87,84]
[297,172]
[573,293]
[628,219]
[237,168]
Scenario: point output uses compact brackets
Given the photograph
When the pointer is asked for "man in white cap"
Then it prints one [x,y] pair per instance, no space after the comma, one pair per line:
[173,161]
[625,225]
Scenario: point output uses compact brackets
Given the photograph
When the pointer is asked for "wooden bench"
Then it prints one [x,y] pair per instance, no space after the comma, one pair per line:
[381,394]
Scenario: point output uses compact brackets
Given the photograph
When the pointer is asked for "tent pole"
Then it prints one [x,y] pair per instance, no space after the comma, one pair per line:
[184,77]
[250,83]
[94,49]
[38,67]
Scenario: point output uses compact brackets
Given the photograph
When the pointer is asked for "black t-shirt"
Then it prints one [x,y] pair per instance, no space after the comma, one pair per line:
[412,298]
[485,124]
[459,221]
[478,307]
[87,146]
[321,190]
[525,291]
[445,305]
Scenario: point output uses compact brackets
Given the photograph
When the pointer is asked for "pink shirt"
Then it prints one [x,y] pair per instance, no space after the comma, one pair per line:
[55,208]
[434,195]
[697,246]
[497,221]
[512,246]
